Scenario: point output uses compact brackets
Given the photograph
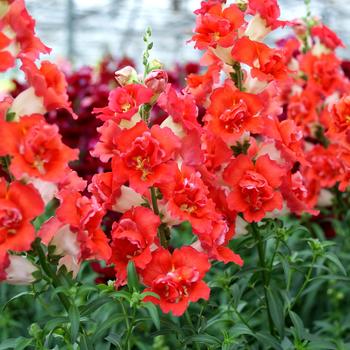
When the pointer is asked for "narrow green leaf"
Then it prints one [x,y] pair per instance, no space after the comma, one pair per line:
[9,344]
[114,339]
[104,326]
[94,305]
[153,312]
[335,260]
[16,297]
[206,339]
[298,325]
[85,343]
[150,294]
[268,341]
[74,318]
[276,311]
[23,343]
[133,279]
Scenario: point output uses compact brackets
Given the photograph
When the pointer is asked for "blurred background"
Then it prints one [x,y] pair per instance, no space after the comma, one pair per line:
[85,30]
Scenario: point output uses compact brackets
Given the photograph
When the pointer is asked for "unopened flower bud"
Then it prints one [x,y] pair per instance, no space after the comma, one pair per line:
[20,271]
[155,64]
[157,80]
[126,75]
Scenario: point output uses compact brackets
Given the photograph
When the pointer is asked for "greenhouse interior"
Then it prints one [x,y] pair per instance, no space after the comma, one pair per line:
[175,174]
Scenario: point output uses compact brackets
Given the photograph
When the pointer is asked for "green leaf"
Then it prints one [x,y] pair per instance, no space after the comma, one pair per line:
[239,330]
[94,305]
[84,343]
[267,339]
[15,343]
[104,326]
[335,260]
[206,339]
[298,325]
[74,318]
[8,344]
[133,279]
[16,297]
[123,294]
[276,310]
[150,294]
[114,339]
[23,343]
[55,322]
[153,312]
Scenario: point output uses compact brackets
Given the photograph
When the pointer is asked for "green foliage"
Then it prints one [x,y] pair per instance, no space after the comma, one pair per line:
[291,293]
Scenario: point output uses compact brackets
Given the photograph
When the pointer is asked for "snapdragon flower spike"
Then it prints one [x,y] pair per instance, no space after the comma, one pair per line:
[19,205]
[177,278]
[144,156]
[132,239]
[124,102]
[254,187]
[232,112]
[17,36]
[36,149]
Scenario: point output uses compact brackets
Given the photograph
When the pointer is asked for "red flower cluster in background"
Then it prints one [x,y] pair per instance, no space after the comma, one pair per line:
[258,132]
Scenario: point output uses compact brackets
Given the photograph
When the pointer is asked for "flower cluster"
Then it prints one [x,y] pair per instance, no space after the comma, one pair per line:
[257,133]
[33,157]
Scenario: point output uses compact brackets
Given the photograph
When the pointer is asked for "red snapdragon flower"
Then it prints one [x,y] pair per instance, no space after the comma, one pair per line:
[4,264]
[267,64]
[176,278]
[232,112]
[188,199]
[268,10]
[254,186]
[49,83]
[124,102]
[302,108]
[19,205]
[325,164]
[132,237]
[327,36]
[323,72]
[144,156]
[19,28]
[84,215]
[36,148]
[301,193]
[217,26]
[340,115]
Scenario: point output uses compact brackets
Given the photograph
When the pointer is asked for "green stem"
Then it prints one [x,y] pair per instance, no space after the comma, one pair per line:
[265,277]
[51,274]
[278,241]
[163,230]
[189,320]
[54,278]
[154,201]
[237,76]
[130,327]
[306,282]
